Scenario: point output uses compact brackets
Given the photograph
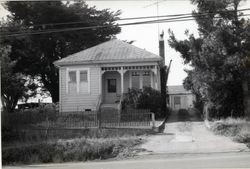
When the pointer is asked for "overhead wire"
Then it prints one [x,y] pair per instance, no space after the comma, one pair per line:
[137,18]
[166,20]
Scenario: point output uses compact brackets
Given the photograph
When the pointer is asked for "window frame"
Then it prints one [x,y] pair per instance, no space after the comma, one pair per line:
[78,70]
[177,98]
[109,86]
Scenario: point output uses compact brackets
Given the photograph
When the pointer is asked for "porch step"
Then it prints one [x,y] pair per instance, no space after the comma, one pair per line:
[109,106]
[109,113]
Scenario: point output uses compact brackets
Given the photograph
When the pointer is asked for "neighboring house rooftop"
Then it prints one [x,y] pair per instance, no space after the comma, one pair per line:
[113,51]
[178,90]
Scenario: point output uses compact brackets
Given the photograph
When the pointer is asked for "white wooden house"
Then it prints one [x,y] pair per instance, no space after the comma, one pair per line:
[98,76]
[180,98]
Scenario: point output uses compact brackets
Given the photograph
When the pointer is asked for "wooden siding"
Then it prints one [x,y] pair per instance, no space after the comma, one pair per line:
[80,101]
[186,101]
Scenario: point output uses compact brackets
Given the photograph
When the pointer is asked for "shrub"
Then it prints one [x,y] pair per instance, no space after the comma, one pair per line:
[148,98]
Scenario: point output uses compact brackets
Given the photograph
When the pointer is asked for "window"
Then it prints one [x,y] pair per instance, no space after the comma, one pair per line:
[83,86]
[111,85]
[177,100]
[146,79]
[78,81]
[135,80]
[72,82]
[72,76]
[84,76]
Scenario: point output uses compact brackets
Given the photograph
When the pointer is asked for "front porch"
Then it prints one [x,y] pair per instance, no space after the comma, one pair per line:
[115,81]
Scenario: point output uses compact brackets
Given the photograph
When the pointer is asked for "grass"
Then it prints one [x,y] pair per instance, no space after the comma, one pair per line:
[83,145]
[78,149]
[237,129]
[26,139]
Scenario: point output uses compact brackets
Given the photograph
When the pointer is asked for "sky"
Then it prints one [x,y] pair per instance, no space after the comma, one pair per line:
[146,36]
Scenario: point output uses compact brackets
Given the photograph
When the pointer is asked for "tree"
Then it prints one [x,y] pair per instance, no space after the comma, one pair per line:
[35,54]
[14,86]
[217,56]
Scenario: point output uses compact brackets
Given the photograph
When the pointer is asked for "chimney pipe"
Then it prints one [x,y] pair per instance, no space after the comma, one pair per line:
[162,48]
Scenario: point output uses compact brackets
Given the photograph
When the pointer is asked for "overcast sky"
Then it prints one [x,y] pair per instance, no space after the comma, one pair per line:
[146,36]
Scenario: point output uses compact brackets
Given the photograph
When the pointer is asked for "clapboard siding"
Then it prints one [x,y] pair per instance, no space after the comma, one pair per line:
[80,101]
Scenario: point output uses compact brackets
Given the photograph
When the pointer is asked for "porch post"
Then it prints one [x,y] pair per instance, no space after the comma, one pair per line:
[130,79]
[151,80]
[122,80]
[141,81]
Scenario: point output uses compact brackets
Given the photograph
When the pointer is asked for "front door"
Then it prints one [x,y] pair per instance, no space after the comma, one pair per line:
[111,90]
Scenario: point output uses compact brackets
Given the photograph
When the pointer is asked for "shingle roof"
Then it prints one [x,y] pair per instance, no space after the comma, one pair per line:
[178,90]
[109,52]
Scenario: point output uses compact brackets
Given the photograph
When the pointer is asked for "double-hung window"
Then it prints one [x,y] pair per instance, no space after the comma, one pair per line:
[83,84]
[78,81]
[72,84]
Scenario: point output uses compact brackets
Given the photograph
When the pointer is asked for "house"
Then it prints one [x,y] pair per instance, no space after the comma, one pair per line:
[98,76]
[180,98]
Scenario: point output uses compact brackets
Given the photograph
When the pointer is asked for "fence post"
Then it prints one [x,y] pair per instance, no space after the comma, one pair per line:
[99,118]
[153,119]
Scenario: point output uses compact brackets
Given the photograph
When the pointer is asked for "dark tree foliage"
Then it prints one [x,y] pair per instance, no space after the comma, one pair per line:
[217,56]
[14,86]
[35,54]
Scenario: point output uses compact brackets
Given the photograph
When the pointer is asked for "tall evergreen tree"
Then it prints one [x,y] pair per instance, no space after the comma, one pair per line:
[217,56]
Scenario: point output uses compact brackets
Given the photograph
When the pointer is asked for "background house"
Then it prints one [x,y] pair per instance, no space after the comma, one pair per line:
[180,98]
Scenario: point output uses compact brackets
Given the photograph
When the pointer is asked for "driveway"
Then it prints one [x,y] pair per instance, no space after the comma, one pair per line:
[185,132]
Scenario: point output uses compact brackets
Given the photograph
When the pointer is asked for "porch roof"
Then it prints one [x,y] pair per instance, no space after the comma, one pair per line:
[113,51]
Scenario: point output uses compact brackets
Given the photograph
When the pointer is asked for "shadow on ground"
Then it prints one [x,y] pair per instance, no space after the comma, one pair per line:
[184,115]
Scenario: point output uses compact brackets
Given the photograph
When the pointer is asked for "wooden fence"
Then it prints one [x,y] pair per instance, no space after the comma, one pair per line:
[87,119]
[90,119]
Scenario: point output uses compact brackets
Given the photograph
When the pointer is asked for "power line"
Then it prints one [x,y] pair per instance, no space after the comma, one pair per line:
[137,18]
[177,19]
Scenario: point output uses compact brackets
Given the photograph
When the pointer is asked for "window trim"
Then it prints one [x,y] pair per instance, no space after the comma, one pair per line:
[78,70]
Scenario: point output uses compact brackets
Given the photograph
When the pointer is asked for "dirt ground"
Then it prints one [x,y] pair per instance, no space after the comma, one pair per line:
[187,133]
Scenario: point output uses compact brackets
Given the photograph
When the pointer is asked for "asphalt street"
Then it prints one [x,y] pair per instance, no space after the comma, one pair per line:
[163,161]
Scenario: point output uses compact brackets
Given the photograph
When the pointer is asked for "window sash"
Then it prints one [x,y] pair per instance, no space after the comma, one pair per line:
[72,76]
[111,85]
[84,76]
[78,81]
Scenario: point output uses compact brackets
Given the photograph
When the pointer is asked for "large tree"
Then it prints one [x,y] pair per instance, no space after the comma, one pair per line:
[14,86]
[35,53]
[217,56]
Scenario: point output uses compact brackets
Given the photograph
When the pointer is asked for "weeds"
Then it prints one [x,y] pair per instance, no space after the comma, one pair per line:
[237,129]
[78,149]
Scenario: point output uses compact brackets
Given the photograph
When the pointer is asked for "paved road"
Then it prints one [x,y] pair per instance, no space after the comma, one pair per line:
[199,161]
[186,133]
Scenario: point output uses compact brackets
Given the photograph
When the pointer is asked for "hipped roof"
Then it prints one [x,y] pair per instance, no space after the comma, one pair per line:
[113,51]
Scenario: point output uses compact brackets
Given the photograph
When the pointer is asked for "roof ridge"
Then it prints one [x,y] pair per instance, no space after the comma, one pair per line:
[111,50]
